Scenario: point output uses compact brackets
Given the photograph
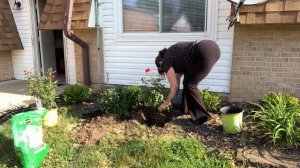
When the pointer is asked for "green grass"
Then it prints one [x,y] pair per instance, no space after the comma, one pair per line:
[8,157]
[113,151]
[170,151]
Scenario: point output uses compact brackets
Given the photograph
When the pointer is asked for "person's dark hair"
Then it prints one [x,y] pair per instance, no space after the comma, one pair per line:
[158,59]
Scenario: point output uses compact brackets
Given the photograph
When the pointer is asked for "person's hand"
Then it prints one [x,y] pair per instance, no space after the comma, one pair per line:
[162,107]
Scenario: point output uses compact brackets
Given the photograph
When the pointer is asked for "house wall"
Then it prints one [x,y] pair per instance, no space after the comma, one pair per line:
[265,58]
[89,36]
[23,59]
[125,60]
[70,63]
[6,66]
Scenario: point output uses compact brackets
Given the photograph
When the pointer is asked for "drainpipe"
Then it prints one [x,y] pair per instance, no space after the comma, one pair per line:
[77,40]
[98,38]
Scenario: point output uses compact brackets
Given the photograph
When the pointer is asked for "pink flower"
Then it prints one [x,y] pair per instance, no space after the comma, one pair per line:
[148,70]
[26,72]
[52,76]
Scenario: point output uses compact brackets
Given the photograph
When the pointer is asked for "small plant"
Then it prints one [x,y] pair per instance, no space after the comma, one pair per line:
[154,92]
[211,100]
[42,87]
[278,119]
[75,94]
[120,100]
[109,100]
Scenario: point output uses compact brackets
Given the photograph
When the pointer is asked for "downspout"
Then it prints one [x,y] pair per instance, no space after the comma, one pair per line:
[98,39]
[77,40]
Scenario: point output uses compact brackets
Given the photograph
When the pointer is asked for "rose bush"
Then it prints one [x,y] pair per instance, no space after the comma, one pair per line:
[153,92]
[42,87]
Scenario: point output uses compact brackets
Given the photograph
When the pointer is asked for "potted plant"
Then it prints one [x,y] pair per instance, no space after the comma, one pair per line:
[43,89]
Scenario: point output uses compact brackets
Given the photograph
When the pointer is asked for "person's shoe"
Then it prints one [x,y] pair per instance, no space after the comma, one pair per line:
[200,120]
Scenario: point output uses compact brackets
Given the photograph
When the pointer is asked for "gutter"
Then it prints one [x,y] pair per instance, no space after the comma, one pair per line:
[98,39]
[77,40]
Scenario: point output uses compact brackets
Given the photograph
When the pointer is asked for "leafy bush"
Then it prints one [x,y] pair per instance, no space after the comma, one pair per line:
[109,100]
[211,100]
[120,100]
[278,119]
[74,94]
[42,87]
[154,92]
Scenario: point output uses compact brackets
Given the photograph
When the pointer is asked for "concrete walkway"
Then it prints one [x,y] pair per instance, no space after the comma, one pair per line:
[14,94]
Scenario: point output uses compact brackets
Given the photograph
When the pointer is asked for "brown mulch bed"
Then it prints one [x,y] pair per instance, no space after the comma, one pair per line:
[95,125]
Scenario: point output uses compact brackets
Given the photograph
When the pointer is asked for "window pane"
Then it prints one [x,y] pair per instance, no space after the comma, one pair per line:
[184,16]
[141,15]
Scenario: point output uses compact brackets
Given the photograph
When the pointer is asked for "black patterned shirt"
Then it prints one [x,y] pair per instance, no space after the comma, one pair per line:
[178,56]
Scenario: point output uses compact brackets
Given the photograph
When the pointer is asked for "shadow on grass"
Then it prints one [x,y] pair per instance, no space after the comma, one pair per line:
[8,155]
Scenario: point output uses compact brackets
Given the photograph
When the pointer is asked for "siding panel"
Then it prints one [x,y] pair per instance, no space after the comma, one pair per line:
[125,61]
[23,59]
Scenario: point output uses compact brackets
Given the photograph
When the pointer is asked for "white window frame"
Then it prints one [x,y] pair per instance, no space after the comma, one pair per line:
[210,33]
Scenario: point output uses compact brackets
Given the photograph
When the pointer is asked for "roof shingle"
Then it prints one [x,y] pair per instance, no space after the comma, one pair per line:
[53,14]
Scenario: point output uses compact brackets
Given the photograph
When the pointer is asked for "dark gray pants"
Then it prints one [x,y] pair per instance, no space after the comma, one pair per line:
[205,54]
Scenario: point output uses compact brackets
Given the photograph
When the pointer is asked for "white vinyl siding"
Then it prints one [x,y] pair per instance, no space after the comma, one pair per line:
[127,55]
[23,59]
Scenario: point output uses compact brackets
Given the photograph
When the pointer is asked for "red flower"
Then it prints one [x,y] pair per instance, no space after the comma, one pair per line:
[148,70]
[52,76]
[26,72]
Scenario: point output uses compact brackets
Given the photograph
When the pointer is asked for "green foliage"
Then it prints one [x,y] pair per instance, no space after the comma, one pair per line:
[211,100]
[62,145]
[119,100]
[42,87]
[75,94]
[278,119]
[8,156]
[154,92]
[171,152]
[89,157]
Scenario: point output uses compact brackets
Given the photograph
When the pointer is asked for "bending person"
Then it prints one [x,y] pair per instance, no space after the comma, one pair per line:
[194,60]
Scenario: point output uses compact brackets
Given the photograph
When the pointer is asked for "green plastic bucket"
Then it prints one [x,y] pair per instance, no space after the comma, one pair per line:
[28,137]
[232,118]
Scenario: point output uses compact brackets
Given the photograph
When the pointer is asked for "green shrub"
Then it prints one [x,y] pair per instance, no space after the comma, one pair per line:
[74,94]
[153,93]
[278,119]
[42,87]
[211,100]
[120,100]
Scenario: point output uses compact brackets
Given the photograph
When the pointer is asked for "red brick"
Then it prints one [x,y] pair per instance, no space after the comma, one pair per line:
[289,17]
[292,5]
[275,5]
[273,17]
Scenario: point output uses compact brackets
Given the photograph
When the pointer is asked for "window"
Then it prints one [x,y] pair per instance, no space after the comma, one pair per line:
[164,16]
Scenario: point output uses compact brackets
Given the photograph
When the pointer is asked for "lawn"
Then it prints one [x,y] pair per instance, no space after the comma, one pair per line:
[137,146]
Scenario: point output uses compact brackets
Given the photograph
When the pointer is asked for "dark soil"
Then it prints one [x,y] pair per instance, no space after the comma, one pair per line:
[154,117]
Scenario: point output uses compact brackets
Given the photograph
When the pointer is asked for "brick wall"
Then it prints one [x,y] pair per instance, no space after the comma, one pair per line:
[6,66]
[89,36]
[265,58]
[274,11]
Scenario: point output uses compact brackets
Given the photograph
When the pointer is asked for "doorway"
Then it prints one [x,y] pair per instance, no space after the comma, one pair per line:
[51,47]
